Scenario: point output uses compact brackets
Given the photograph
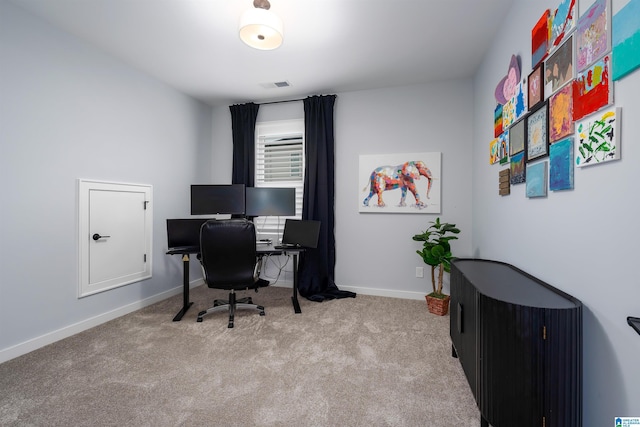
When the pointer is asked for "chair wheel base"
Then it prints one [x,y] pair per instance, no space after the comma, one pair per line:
[231,306]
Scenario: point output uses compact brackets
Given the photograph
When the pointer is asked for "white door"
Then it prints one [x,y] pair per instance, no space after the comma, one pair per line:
[115,235]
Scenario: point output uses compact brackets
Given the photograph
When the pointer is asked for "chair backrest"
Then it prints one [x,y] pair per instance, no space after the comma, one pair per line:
[228,253]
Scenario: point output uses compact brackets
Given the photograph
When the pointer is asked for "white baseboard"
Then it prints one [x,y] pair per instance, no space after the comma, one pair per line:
[390,293]
[67,331]
[51,337]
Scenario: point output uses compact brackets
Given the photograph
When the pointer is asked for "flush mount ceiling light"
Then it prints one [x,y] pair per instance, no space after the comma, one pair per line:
[261,28]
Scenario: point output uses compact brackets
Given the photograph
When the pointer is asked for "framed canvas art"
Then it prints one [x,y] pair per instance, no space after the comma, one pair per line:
[517,137]
[540,38]
[558,68]
[563,22]
[535,87]
[493,151]
[593,88]
[503,147]
[508,113]
[593,33]
[537,180]
[598,138]
[625,37]
[561,114]
[399,183]
[561,165]
[518,168]
[537,133]
[520,100]
[497,120]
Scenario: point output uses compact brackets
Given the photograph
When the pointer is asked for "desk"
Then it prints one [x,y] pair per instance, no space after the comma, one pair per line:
[262,250]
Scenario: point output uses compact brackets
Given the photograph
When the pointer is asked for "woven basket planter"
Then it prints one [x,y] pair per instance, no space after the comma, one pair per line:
[439,306]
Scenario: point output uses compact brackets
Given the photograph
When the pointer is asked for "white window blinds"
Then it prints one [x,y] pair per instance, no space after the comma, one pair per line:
[279,163]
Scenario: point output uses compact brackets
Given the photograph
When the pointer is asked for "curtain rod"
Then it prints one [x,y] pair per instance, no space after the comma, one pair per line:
[280,102]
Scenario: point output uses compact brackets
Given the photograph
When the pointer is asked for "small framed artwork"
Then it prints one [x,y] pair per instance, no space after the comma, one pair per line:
[517,137]
[561,114]
[598,138]
[593,88]
[520,100]
[503,147]
[563,22]
[518,168]
[535,85]
[508,113]
[540,38]
[561,165]
[538,133]
[537,180]
[593,33]
[497,121]
[558,68]
[493,151]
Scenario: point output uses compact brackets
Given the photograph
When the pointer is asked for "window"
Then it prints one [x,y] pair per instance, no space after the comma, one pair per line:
[279,163]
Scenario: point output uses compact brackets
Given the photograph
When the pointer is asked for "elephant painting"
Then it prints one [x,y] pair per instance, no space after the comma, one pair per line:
[386,178]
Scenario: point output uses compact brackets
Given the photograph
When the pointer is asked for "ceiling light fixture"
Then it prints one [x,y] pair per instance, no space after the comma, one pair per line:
[261,28]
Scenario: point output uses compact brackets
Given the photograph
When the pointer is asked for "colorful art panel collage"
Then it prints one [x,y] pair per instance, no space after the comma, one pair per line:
[564,108]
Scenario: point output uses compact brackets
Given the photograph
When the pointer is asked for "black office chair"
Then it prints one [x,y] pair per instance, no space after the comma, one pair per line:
[229,261]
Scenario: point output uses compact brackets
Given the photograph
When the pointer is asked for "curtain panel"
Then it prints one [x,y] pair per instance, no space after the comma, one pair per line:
[243,126]
[317,266]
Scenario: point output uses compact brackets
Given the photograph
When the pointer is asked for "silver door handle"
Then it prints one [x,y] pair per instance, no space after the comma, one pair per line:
[97,236]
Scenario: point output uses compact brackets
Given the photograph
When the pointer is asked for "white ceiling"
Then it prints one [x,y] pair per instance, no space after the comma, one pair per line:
[329,46]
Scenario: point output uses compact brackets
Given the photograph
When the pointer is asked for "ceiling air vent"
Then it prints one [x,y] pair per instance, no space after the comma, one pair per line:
[275,84]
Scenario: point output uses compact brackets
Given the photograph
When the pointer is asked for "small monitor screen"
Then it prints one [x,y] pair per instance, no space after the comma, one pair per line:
[184,232]
[264,201]
[217,199]
[302,233]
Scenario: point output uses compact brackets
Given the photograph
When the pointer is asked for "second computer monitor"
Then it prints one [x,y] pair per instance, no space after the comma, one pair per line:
[217,199]
[266,201]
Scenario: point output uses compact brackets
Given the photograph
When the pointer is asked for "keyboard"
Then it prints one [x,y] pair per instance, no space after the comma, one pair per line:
[286,246]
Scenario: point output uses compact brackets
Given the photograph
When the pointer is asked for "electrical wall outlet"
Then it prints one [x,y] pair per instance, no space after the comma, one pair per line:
[419,271]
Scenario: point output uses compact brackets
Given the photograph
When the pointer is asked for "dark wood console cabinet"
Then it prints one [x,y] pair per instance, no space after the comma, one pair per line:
[519,341]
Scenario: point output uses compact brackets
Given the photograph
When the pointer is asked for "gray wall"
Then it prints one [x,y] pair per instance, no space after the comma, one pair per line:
[67,112]
[375,253]
[582,241]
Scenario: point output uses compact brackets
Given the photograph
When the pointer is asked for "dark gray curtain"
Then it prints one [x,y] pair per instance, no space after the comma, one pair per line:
[317,266]
[243,126]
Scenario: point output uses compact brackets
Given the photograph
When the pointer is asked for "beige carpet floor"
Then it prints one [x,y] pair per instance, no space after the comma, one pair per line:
[365,361]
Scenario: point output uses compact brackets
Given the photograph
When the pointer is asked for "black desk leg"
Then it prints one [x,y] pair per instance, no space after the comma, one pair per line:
[294,298]
[185,288]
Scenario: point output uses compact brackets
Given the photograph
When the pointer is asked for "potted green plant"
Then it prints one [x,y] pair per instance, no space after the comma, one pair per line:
[436,252]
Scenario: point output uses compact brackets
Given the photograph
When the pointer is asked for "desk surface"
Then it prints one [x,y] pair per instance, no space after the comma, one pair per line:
[262,249]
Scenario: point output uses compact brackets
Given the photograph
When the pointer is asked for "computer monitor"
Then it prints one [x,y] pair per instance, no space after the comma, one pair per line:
[184,232]
[266,201]
[216,199]
[303,233]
